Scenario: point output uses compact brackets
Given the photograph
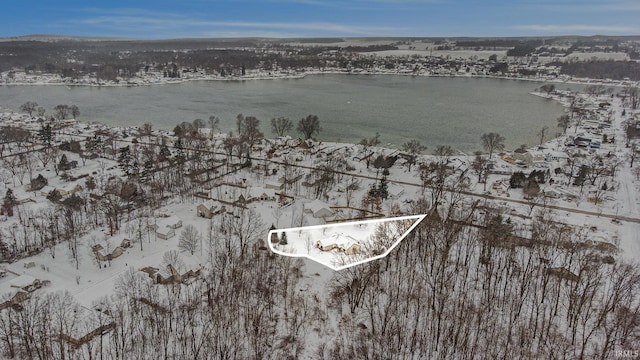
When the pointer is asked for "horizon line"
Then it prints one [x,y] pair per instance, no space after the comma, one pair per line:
[120,38]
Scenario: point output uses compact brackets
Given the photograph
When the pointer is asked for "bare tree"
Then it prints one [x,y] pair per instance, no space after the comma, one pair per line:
[29,107]
[492,142]
[75,111]
[251,129]
[309,126]
[542,133]
[190,239]
[413,147]
[146,130]
[281,125]
[632,154]
[245,228]
[61,111]
[563,122]
[374,141]
[351,186]
[172,257]
[596,167]
[214,124]
[15,134]
[47,155]
[29,163]
[443,150]
[482,167]
[199,123]
[14,165]
[634,97]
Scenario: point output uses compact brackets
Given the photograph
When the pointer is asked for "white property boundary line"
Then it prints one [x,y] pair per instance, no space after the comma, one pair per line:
[417,218]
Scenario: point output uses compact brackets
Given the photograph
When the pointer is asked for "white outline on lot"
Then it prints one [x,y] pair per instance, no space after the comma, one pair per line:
[418,219]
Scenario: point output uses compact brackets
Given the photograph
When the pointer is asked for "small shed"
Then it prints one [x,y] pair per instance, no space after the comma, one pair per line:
[69,189]
[204,210]
[165,232]
[172,222]
[274,186]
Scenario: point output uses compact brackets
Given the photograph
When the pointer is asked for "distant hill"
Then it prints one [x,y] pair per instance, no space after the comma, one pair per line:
[55,38]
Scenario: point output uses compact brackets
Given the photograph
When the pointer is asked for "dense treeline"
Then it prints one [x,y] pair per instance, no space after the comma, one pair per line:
[448,291]
[370,48]
[497,43]
[609,69]
[523,49]
[52,57]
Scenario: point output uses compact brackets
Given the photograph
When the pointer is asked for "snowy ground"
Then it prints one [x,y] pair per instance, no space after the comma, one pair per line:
[89,282]
[330,244]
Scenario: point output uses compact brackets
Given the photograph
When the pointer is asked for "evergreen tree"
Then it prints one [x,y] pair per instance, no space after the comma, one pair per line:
[147,169]
[38,183]
[94,145]
[517,180]
[180,156]
[581,177]
[91,183]
[283,239]
[275,239]
[10,198]
[165,153]
[54,196]
[538,175]
[64,164]
[65,176]
[383,188]
[125,160]
[45,135]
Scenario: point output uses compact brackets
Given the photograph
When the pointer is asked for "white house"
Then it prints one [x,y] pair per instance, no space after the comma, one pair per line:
[46,190]
[395,191]
[553,193]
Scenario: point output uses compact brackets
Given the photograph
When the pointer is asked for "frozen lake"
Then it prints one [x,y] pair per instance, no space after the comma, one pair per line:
[435,111]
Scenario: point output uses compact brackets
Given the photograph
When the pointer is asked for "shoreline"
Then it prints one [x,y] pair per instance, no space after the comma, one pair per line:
[139,82]
[392,146]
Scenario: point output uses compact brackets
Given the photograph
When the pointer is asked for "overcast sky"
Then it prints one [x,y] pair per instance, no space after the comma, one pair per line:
[319,18]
